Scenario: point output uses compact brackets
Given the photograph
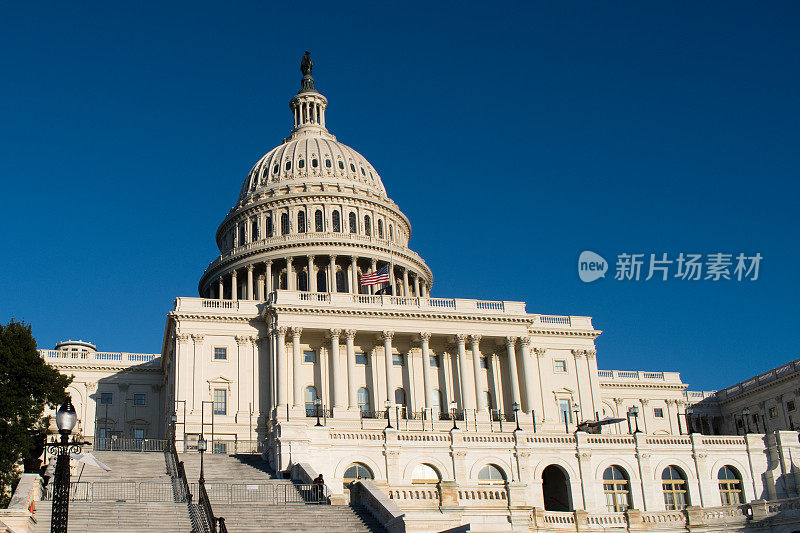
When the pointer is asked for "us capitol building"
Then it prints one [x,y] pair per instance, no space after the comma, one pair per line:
[459,411]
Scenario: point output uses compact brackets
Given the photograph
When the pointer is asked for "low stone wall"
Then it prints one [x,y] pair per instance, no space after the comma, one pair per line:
[366,494]
[18,517]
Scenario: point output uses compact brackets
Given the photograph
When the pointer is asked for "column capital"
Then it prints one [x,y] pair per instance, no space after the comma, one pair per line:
[220,279]
[475,338]
[233,273]
[425,336]
[296,331]
[281,330]
[539,351]
[387,335]
[289,259]
[198,338]
[591,354]
[510,341]
[334,333]
[578,353]
[619,401]
[644,401]
[333,257]
[525,341]
[268,262]
[350,333]
[461,338]
[183,337]
[241,340]
[250,267]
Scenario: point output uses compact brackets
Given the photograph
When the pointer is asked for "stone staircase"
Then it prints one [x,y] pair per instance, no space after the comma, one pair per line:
[268,516]
[126,514]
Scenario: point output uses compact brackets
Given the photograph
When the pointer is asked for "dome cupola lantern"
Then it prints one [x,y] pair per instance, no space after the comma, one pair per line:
[308,106]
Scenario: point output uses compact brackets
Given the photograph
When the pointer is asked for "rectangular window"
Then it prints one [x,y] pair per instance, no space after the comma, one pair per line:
[435,361]
[309,356]
[220,353]
[658,412]
[397,359]
[790,405]
[106,398]
[560,366]
[220,447]
[220,402]
[138,433]
[139,399]
[564,410]
[773,412]
[361,359]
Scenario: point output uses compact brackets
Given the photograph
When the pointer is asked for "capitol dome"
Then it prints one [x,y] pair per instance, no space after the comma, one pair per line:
[313,215]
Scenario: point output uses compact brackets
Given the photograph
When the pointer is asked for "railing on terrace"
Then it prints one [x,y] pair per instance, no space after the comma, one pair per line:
[417,495]
[639,375]
[483,495]
[121,357]
[761,379]
[130,445]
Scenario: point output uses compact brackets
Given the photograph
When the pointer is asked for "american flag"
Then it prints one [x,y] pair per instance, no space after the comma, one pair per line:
[381,276]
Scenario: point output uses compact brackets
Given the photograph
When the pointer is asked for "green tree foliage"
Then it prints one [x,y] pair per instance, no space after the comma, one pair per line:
[27,384]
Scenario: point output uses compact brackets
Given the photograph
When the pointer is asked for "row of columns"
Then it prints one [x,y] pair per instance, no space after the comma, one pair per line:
[347,396]
[265,285]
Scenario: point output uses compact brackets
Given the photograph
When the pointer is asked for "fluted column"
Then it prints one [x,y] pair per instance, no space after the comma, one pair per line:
[466,397]
[513,377]
[480,401]
[332,276]
[405,282]
[249,282]
[353,277]
[352,393]
[221,289]
[424,337]
[297,355]
[262,292]
[268,277]
[387,352]
[290,279]
[336,374]
[374,268]
[526,373]
[416,286]
[283,377]
[312,274]
[234,286]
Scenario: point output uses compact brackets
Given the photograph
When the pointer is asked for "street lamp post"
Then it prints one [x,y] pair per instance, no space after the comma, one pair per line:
[317,403]
[746,416]
[634,412]
[515,407]
[576,410]
[202,446]
[453,414]
[66,418]
[388,404]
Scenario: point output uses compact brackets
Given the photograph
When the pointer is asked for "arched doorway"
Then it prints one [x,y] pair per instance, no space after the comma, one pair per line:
[556,489]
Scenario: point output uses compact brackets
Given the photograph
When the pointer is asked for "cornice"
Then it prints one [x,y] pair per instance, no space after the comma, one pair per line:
[758,389]
[590,333]
[640,385]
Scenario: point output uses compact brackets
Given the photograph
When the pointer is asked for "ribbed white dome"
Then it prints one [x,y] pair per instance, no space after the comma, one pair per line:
[311,155]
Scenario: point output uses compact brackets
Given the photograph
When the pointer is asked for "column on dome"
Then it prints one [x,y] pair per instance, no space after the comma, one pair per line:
[234,286]
[526,374]
[249,282]
[297,354]
[405,282]
[466,398]
[268,278]
[480,401]
[416,285]
[332,276]
[261,296]
[423,289]
[513,377]
[424,338]
[312,274]
[352,393]
[283,377]
[374,268]
[337,383]
[290,278]
[387,353]
[220,289]
[351,270]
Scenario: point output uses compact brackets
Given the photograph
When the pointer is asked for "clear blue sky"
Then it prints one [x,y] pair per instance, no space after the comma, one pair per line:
[514,136]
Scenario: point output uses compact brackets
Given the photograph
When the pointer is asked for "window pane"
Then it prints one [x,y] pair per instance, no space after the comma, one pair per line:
[220,402]
[139,399]
[397,359]
[220,353]
[361,359]
[309,356]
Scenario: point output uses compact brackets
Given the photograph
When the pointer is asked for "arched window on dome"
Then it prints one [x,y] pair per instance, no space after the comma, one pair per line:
[269,226]
[318,220]
[380,229]
[302,281]
[282,281]
[367,226]
[328,163]
[322,280]
[337,221]
[301,222]
[284,223]
[352,167]
[301,163]
[341,282]
[391,233]
[288,165]
[353,223]
[241,235]
[314,163]
[254,229]
[341,165]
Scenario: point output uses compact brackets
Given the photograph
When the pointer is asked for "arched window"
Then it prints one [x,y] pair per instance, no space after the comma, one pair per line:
[241,235]
[302,281]
[318,221]
[380,229]
[363,399]
[314,162]
[555,489]
[367,226]
[301,222]
[328,163]
[322,281]
[730,486]
[492,475]
[254,229]
[424,473]
[282,281]
[341,165]
[391,232]
[356,471]
[269,226]
[615,487]
[284,223]
[288,165]
[337,221]
[674,485]
[311,398]
[341,283]
[301,164]
[353,223]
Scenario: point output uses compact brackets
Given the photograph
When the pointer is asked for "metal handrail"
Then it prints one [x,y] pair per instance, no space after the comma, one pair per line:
[205,505]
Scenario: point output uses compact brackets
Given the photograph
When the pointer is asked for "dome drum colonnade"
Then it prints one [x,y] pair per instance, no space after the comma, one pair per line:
[312,215]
